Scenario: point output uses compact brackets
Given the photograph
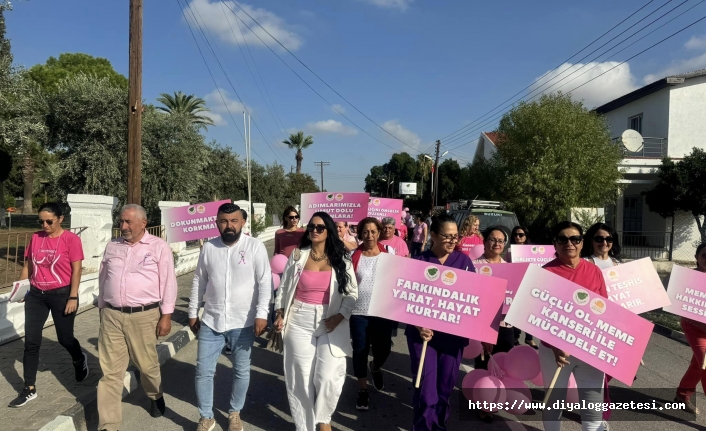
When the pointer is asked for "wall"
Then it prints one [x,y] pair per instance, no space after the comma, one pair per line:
[686,237]
[655,115]
[687,128]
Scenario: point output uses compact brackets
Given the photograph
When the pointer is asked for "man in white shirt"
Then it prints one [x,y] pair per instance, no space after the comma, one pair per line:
[234,279]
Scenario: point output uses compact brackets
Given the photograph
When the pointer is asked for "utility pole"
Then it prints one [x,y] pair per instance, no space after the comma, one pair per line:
[322,164]
[435,177]
[134,119]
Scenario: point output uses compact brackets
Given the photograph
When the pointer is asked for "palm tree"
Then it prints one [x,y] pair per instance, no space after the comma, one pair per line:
[189,105]
[298,141]
[424,164]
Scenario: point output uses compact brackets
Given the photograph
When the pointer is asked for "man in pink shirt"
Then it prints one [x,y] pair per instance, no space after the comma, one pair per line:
[388,237]
[137,292]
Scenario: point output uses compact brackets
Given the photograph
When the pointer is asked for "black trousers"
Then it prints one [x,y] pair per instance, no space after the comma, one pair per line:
[369,332]
[518,331]
[506,341]
[37,308]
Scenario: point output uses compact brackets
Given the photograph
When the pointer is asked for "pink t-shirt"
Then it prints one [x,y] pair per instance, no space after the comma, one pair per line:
[313,287]
[52,258]
[398,244]
[403,231]
[466,243]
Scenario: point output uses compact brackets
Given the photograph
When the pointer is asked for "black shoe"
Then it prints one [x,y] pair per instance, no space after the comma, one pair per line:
[24,397]
[158,407]
[486,417]
[363,401]
[377,377]
[81,368]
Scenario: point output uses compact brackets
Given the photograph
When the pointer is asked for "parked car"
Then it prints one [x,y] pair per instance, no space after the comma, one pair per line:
[490,213]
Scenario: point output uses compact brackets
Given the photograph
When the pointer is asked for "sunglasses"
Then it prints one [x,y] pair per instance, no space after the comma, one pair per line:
[48,222]
[562,239]
[520,235]
[319,228]
[599,239]
[293,217]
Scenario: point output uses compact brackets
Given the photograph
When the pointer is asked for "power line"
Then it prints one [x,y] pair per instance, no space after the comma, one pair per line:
[317,76]
[555,68]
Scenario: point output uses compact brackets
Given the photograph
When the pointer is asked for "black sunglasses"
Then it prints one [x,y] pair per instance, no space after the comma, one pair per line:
[519,234]
[563,239]
[41,222]
[599,239]
[319,228]
[293,217]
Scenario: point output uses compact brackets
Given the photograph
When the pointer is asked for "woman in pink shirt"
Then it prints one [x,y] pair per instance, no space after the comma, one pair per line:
[53,265]
[288,238]
[419,235]
[470,235]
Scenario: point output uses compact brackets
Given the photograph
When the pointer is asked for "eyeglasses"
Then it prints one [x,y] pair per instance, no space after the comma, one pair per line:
[563,239]
[519,234]
[48,222]
[496,241]
[319,228]
[449,238]
[599,239]
[293,217]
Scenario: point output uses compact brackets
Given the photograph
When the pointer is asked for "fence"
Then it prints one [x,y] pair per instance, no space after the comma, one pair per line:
[12,253]
[655,245]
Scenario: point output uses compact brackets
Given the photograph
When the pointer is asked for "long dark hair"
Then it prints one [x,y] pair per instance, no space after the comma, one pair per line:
[335,250]
[523,229]
[587,249]
[285,214]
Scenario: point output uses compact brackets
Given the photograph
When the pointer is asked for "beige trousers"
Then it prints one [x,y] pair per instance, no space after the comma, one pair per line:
[124,337]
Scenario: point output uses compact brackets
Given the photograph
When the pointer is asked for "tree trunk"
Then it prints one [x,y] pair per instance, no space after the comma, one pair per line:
[299,158]
[2,204]
[28,178]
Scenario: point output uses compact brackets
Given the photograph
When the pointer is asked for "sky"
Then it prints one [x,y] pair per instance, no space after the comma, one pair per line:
[396,74]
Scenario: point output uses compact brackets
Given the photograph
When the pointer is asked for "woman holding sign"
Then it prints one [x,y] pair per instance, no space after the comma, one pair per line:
[568,242]
[431,401]
[695,333]
[317,295]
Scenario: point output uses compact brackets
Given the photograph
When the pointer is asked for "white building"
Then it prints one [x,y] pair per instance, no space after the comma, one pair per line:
[669,114]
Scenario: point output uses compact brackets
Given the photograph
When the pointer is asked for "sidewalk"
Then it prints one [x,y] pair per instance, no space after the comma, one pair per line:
[57,391]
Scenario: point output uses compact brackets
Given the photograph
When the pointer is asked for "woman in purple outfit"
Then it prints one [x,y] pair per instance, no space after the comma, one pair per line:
[432,404]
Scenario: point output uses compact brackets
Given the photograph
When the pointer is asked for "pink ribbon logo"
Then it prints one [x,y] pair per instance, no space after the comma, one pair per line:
[242,258]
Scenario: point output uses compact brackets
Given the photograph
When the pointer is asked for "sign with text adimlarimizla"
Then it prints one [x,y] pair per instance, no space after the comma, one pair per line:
[687,291]
[636,286]
[343,206]
[580,322]
[450,300]
[192,222]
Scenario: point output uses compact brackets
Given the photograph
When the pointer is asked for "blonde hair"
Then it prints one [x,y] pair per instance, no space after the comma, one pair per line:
[467,226]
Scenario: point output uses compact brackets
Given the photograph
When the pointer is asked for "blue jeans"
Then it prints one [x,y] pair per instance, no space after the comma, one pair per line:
[210,345]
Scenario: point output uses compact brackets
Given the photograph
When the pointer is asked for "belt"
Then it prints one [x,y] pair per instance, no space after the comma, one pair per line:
[133,309]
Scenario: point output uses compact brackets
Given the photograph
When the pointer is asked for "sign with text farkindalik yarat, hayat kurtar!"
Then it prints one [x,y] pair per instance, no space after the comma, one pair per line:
[192,222]
[437,297]
[580,322]
[347,207]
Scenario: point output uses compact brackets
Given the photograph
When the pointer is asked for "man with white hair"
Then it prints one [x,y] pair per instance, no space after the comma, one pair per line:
[136,295]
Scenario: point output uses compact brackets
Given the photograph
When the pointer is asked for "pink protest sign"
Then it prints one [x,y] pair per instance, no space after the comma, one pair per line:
[510,272]
[383,207]
[537,254]
[580,322]
[636,286]
[348,207]
[192,222]
[438,297]
[687,291]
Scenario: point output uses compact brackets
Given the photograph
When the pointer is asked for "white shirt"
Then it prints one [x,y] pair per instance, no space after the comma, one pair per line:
[601,263]
[234,282]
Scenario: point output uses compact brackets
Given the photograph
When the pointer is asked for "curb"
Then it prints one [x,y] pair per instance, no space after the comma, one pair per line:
[670,333]
[76,417]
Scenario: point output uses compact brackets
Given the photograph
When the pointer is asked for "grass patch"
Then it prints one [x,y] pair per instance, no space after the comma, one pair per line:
[663,318]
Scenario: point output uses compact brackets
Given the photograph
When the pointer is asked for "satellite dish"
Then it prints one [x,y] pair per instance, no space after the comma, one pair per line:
[632,140]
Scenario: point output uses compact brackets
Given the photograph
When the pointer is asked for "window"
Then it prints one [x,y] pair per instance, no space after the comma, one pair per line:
[632,214]
[635,123]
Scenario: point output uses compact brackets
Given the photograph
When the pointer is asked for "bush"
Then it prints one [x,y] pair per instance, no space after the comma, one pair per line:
[257,226]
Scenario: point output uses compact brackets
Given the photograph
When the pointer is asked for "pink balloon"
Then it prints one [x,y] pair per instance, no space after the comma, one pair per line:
[538,381]
[469,380]
[522,363]
[490,389]
[473,349]
[517,394]
[572,392]
[500,359]
[275,281]
[278,262]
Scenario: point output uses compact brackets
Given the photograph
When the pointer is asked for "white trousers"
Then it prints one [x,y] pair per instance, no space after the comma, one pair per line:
[589,381]
[314,377]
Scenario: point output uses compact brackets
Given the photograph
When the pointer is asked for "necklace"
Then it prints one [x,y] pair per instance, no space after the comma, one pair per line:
[316,258]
